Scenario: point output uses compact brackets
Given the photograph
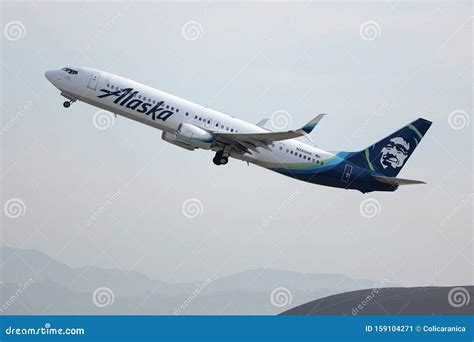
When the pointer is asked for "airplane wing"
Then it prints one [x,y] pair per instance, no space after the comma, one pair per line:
[253,140]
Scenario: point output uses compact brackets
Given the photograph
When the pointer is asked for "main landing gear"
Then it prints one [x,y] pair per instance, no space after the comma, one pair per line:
[67,104]
[220,158]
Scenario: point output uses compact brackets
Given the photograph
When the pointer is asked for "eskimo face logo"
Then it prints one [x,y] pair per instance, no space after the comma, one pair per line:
[394,153]
[128,97]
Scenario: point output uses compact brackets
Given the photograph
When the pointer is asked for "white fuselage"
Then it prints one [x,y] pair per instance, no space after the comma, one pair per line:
[88,85]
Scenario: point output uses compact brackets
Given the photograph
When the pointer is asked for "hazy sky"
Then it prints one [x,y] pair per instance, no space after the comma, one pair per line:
[114,197]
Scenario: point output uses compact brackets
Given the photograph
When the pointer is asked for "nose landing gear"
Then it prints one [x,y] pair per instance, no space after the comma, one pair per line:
[220,158]
[70,100]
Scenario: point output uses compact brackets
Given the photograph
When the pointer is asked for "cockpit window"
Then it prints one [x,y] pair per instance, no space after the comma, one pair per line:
[70,71]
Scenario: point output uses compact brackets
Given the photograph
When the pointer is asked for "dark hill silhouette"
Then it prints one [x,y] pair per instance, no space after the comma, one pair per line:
[392,301]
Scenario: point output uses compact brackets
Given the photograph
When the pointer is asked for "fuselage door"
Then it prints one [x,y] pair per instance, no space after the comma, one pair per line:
[346,175]
[93,80]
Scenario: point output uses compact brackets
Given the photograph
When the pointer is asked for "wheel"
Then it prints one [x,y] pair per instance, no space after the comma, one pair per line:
[66,104]
[220,159]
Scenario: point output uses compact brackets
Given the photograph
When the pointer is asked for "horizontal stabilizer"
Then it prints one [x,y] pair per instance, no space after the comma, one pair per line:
[397,181]
[262,123]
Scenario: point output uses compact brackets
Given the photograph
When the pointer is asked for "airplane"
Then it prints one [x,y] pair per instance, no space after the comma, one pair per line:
[192,126]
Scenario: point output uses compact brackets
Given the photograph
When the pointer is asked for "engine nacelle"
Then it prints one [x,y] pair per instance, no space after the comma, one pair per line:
[194,136]
[172,138]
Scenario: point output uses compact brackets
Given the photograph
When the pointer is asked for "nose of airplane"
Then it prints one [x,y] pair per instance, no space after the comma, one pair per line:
[51,75]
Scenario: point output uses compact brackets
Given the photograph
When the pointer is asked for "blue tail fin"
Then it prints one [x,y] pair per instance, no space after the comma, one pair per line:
[387,156]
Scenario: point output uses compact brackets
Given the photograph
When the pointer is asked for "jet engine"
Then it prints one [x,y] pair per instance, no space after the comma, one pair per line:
[189,137]
[194,136]
[172,139]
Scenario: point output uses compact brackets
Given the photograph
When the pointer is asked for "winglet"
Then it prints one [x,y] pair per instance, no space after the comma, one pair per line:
[310,125]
